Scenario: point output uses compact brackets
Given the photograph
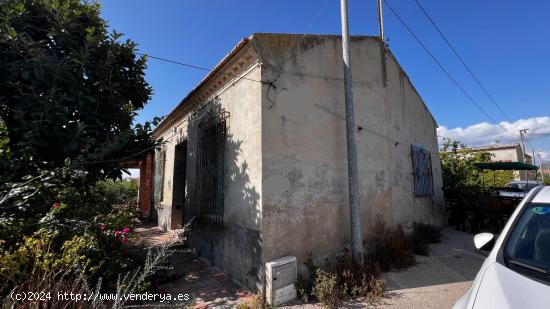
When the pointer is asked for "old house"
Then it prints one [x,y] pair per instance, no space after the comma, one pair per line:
[256,153]
[509,153]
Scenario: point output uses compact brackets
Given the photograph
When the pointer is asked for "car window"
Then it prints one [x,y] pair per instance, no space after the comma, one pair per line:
[529,242]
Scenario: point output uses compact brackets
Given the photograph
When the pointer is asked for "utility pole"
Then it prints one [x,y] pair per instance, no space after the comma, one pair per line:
[521,133]
[534,162]
[353,178]
[541,170]
[382,46]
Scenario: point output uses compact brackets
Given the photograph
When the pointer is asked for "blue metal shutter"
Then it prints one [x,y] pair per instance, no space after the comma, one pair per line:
[422,171]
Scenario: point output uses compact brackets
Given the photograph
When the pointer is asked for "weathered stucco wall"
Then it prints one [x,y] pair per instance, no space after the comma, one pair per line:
[305,191]
[285,186]
[237,247]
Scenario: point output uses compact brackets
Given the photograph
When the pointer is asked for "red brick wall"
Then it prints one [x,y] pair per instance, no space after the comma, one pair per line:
[146,185]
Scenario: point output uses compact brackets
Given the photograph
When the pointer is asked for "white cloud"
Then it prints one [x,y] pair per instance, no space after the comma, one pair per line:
[487,133]
[484,133]
[545,155]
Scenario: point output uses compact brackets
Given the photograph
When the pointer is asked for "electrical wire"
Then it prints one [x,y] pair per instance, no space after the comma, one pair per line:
[192,66]
[319,13]
[445,71]
[480,84]
[455,52]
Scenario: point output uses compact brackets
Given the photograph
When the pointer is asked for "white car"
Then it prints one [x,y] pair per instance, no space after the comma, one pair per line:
[516,273]
[517,189]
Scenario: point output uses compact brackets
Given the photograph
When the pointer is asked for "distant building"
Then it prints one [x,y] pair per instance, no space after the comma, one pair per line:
[256,153]
[546,170]
[509,153]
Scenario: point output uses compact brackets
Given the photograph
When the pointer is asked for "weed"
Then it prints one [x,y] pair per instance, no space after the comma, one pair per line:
[422,235]
[254,303]
[304,283]
[388,248]
[327,289]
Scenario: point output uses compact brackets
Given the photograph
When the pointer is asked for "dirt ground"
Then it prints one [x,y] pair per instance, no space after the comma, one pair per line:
[436,281]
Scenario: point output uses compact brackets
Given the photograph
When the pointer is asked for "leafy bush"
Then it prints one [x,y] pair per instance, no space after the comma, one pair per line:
[422,235]
[41,253]
[86,223]
[327,289]
[71,278]
[123,192]
[464,186]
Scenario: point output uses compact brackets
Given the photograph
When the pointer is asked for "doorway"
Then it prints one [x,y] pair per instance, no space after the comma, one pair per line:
[179,184]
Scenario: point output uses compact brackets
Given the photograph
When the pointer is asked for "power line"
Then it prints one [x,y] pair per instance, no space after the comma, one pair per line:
[192,66]
[319,13]
[175,62]
[455,82]
[455,52]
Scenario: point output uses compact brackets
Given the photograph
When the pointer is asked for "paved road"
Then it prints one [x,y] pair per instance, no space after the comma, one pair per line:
[436,281]
[439,280]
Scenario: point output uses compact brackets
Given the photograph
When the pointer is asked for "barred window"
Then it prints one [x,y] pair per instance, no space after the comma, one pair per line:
[209,202]
[422,171]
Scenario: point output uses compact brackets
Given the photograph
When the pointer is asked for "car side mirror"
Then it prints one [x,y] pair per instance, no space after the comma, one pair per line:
[484,241]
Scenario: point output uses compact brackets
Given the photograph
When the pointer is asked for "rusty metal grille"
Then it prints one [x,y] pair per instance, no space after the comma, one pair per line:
[209,204]
[422,171]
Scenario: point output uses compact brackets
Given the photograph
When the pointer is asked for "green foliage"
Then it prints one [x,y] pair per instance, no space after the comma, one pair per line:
[72,278]
[327,289]
[465,186]
[459,173]
[4,148]
[120,192]
[39,253]
[69,93]
[81,225]
[69,90]
[496,179]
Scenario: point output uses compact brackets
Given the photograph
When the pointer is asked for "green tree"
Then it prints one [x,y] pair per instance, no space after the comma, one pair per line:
[496,178]
[459,173]
[69,91]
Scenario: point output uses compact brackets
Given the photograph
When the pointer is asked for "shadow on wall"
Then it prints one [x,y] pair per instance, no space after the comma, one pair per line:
[220,195]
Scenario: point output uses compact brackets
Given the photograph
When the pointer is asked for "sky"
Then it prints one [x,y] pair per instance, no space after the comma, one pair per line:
[505,43]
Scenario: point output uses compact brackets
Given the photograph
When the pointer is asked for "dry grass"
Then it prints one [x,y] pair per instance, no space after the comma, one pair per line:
[388,248]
